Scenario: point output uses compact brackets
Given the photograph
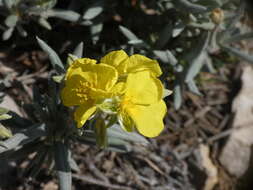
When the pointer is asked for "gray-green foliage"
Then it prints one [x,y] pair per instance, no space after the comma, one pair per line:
[185,42]
[20,13]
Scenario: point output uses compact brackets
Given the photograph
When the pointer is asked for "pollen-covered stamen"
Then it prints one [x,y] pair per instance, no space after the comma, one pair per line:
[82,90]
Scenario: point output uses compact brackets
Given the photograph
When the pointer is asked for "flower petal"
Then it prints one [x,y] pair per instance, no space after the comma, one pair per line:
[100,76]
[117,59]
[69,94]
[143,88]
[77,65]
[83,113]
[139,63]
[119,88]
[148,119]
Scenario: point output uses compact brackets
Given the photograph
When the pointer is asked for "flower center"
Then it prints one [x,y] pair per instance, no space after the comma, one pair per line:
[126,102]
[82,90]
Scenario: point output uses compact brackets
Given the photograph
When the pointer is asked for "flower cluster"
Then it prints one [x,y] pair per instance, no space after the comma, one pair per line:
[119,85]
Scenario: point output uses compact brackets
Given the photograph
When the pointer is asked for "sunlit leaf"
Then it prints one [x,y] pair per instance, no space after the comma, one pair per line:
[186,5]
[130,35]
[78,52]
[4,132]
[23,137]
[92,12]
[54,58]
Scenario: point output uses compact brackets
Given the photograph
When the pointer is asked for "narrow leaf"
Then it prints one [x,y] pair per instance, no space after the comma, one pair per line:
[65,15]
[239,37]
[177,96]
[92,12]
[4,132]
[116,131]
[54,58]
[23,137]
[7,34]
[95,30]
[8,3]
[239,53]
[44,23]
[62,166]
[11,21]
[166,56]
[5,116]
[3,111]
[196,58]
[130,35]
[193,87]
[185,5]
[164,36]
[78,52]
[21,31]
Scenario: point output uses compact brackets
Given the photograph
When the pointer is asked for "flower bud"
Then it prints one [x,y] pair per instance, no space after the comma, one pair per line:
[217,16]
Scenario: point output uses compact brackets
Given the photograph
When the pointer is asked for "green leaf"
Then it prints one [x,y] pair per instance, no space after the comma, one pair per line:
[92,12]
[54,58]
[164,36]
[5,116]
[177,96]
[101,133]
[135,42]
[239,37]
[195,66]
[58,78]
[9,3]
[72,163]
[78,52]
[196,58]
[3,111]
[239,53]
[193,87]
[64,14]
[62,167]
[23,137]
[95,30]
[166,57]
[11,21]
[4,132]
[178,29]
[116,131]
[7,34]
[44,23]
[204,26]
[71,58]
[130,35]
[21,152]
[166,92]
[21,31]
[114,145]
[185,5]
[210,4]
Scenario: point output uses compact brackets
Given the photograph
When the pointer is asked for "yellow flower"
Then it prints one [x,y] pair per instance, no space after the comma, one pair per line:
[141,106]
[85,84]
[137,100]
[135,63]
